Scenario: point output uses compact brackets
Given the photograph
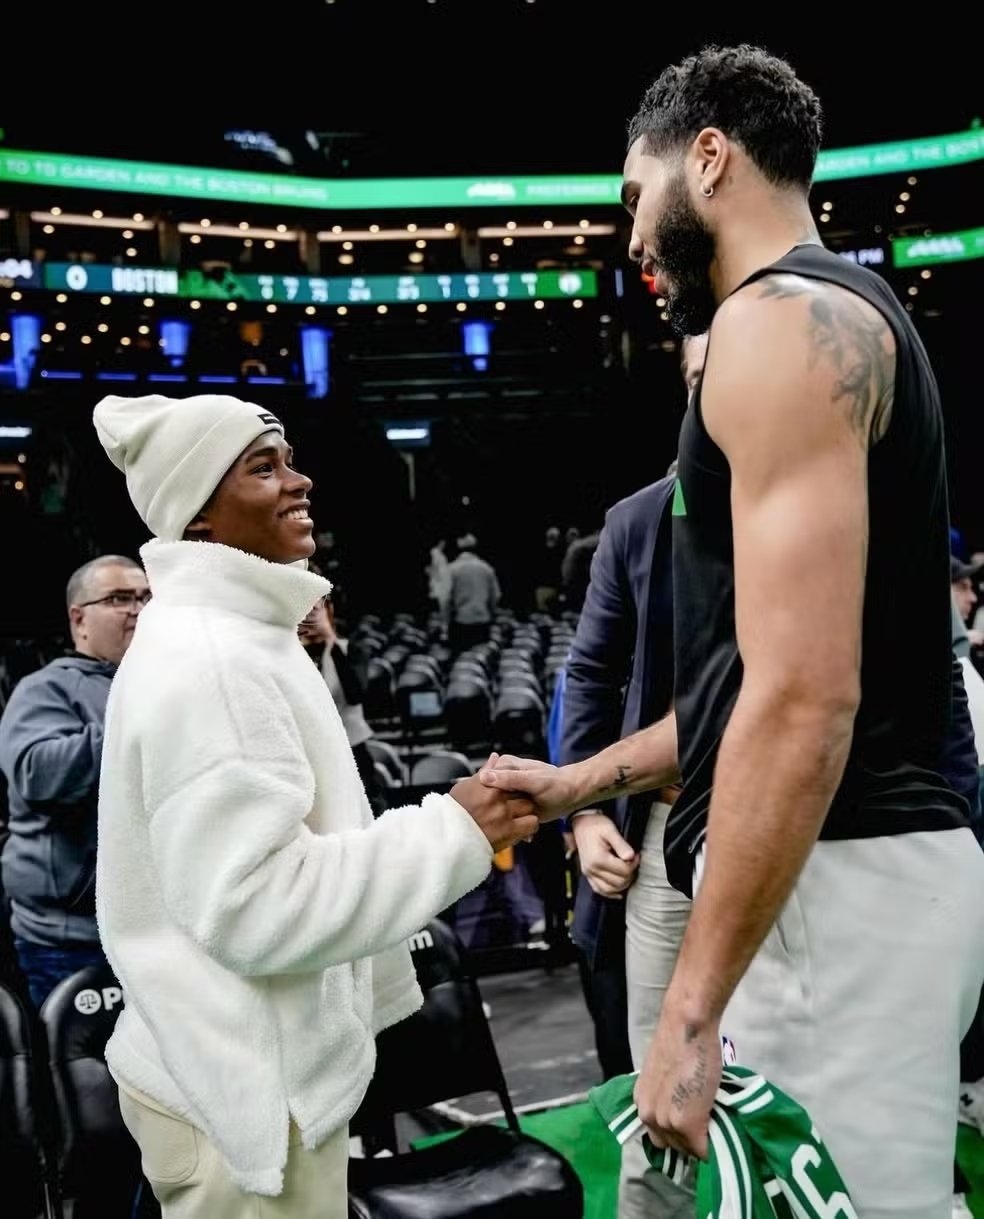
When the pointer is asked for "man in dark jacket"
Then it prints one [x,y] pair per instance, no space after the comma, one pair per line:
[620,679]
[50,751]
[628,921]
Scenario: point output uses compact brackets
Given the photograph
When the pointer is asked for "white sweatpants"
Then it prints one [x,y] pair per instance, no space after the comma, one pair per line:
[655,919]
[856,1005]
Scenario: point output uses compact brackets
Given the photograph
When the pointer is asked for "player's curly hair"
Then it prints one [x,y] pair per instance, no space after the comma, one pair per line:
[755,98]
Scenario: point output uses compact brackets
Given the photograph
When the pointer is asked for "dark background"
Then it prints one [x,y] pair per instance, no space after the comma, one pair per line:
[411,88]
[458,86]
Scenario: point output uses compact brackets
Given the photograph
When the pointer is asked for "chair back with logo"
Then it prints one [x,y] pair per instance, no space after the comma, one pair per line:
[99,1162]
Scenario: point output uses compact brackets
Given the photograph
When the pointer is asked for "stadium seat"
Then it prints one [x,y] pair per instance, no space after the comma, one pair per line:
[98,1161]
[418,698]
[445,1051]
[519,721]
[468,710]
[441,766]
[411,636]
[525,650]
[383,776]
[396,654]
[469,669]
[515,674]
[26,1155]
[379,702]
[383,754]
[423,663]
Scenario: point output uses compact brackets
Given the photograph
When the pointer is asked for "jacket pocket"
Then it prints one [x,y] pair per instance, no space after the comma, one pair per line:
[346,994]
[168,1146]
[362,990]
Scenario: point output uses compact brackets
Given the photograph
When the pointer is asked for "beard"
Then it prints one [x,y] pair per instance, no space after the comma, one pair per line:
[684,249]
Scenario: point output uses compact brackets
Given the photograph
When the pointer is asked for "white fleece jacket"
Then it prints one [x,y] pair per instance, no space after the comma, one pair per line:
[254,912]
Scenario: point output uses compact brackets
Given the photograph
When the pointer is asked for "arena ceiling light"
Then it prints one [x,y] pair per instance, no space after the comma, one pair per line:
[280,233]
[378,234]
[79,220]
[558,230]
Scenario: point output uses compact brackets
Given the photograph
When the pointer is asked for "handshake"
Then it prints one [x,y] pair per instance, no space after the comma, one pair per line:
[509,797]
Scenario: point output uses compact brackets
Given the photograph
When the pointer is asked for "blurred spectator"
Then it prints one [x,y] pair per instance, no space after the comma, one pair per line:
[329,562]
[344,670]
[54,492]
[964,591]
[693,353]
[439,578]
[977,562]
[962,576]
[474,597]
[548,578]
[576,569]
[628,920]
[51,739]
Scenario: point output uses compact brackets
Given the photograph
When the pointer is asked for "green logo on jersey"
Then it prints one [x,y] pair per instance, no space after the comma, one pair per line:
[679,503]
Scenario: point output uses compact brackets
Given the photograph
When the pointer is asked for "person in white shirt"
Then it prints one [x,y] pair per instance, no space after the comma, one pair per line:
[253,911]
[473,597]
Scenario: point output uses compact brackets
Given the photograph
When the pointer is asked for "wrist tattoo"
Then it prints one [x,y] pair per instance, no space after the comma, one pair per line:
[622,776]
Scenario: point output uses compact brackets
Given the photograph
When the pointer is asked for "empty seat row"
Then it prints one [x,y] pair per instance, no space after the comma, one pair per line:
[441,766]
[494,695]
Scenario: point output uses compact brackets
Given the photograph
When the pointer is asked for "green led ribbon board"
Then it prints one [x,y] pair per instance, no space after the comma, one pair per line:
[111,280]
[392,289]
[937,248]
[368,194]
[317,290]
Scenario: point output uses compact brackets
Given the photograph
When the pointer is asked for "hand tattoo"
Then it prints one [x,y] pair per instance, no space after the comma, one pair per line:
[686,1090]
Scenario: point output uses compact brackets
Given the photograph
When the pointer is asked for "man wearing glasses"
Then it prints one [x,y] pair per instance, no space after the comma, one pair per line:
[51,737]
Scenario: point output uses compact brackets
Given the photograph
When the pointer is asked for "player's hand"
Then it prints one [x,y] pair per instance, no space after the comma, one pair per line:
[679,1079]
[503,817]
[549,787]
[607,860]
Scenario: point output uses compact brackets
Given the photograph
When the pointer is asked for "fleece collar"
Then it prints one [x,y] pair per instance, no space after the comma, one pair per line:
[209,574]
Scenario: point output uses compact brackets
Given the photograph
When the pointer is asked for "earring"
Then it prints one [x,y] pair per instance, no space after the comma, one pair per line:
[707,191]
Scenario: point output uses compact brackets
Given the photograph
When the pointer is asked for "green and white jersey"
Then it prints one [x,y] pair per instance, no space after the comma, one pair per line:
[766,1159]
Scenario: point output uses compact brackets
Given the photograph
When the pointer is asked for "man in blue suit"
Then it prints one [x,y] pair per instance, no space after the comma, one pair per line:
[628,921]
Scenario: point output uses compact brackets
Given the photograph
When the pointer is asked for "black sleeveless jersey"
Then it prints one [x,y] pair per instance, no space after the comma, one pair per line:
[892,783]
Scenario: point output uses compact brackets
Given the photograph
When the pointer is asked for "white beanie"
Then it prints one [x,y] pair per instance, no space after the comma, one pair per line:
[175,451]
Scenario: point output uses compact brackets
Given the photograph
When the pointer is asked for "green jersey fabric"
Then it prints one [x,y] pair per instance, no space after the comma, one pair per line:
[766,1159]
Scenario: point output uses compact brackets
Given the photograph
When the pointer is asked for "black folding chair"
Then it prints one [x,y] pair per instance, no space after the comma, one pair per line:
[444,1051]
